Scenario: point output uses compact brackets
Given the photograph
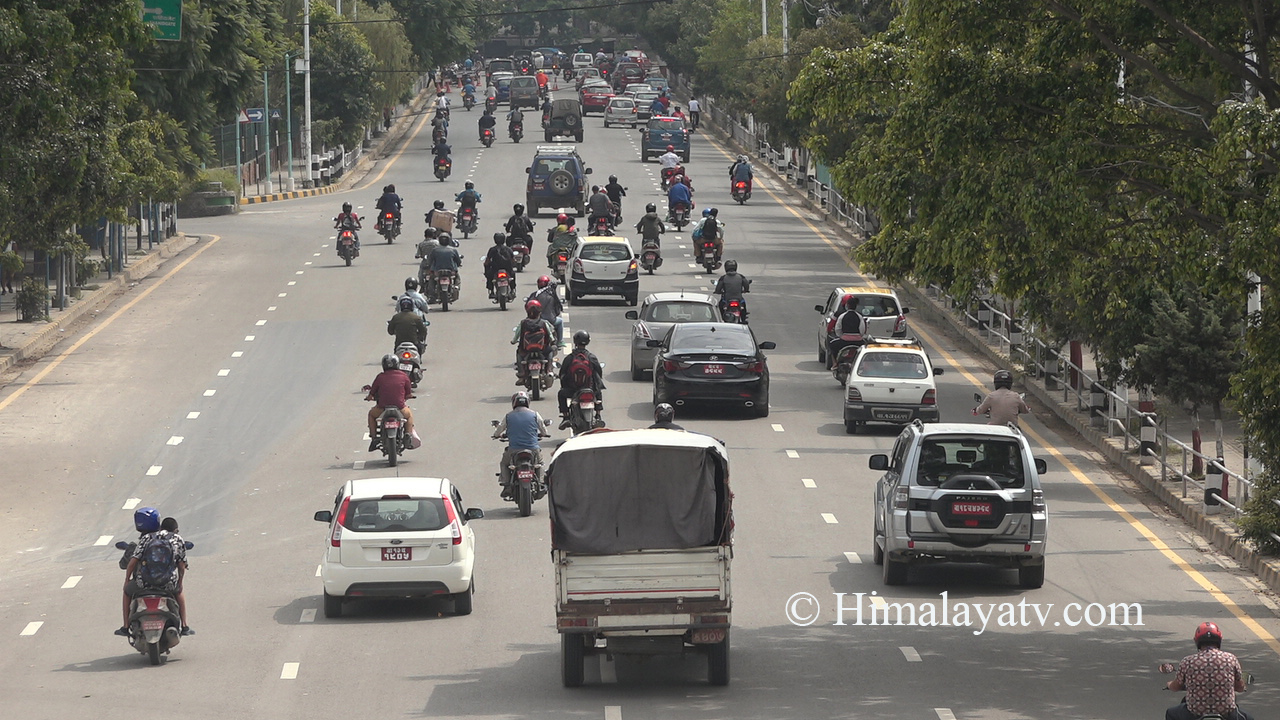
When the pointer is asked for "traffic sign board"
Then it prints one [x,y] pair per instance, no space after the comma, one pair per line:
[164,17]
[275,113]
[243,118]
[255,114]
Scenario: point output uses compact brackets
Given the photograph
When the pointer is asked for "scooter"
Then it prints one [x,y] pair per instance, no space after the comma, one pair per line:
[668,174]
[735,312]
[516,131]
[584,415]
[562,265]
[504,289]
[1170,668]
[650,256]
[741,191]
[407,354]
[468,101]
[600,226]
[444,166]
[526,484]
[155,625]
[519,253]
[707,256]
[466,221]
[679,215]
[486,137]
[842,362]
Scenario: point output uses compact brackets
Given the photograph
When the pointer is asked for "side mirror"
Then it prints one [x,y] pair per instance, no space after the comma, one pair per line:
[653,343]
[632,315]
[528,170]
[819,308]
[474,514]
[324,516]
[906,310]
[878,461]
[188,544]
[587,171]
[546,422]
[937,371]
[768,345]
[122,545]
[493,423]
[1041,466]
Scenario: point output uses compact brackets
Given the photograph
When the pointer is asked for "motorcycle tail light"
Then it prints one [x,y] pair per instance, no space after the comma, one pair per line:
[335,539]
[587,398]
[930,397]
[502,274]
[152,603]
[454,527]
[901,324]
[406,355]
[734,304]
[741,185]
[562,257]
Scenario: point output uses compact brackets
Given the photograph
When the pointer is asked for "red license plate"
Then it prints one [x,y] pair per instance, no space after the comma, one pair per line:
[524,475]
[971,508]
[535,367]
[391,424]
[712,369]
[444,281]
[150,624]
[397,554]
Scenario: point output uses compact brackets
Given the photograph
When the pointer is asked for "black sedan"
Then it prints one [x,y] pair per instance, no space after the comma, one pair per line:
[712,361]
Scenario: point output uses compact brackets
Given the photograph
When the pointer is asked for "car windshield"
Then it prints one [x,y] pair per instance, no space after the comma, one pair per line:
[998,458]
[679,311]
[399,515]
[899,365]
[707,340]
[500,65]
[605,252]
[666,124]
[546,166]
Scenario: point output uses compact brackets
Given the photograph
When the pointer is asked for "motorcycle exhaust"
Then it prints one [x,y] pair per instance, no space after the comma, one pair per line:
[750,404]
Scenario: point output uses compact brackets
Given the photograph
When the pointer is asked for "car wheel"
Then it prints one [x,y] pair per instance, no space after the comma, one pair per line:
[718,661]
[573,654]
[332,605]
[877,553]
[637,374]
[462,600]
[895,571]
[822,354]
[850,425]
[1031,577]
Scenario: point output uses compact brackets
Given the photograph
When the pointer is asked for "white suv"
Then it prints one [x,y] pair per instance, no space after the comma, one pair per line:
[960,492]
[398,537]
[891,381]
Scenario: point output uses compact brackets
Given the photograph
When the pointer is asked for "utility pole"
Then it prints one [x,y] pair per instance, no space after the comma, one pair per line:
[306,91]
[266,131]
[764,18]
[288,120]
[786,28]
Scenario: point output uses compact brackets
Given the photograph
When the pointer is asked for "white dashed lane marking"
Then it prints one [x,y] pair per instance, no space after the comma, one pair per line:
[271,309]
[307,262]
[612,712]
[808,482]
[103,540]
[31,628]
[249,338]
[777,427]
[238,353]
[852,558]
[308,615]
[358,464]
[175,440]
[299,272]
[945,714]
[283,295]
[131,503]
[193,415]
[210,393]
[224,372]
[295,282]
[260,323]
[910,654]
[72,582]
[793,454]
[289,671]
[829,519]
[155,469]
[319,568]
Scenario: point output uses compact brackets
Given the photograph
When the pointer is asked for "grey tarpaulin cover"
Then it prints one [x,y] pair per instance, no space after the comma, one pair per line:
[613,492]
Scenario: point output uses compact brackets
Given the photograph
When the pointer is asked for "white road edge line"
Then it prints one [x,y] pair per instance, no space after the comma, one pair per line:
[31,628]
[72,582]
[289,671]
[910,654]
[612,712]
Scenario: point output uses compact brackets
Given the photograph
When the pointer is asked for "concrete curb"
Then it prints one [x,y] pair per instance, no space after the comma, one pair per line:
[40,343]
[1219,530]
[293,195]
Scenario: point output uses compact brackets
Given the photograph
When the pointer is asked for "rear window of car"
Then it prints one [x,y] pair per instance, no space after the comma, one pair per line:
[605,252]
[503,82]
[998,458]
[680,311]
[500,65]
[546,166]
[399,515]
[876,306]
[666,124]
[698,340]
[524,81]
[622,103]
[896,365]
[582,57]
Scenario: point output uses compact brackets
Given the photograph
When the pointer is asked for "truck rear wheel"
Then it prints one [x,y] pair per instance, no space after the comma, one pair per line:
[572,657]
[718,661]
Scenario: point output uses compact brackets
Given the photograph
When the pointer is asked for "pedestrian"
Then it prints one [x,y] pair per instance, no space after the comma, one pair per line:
[8,269]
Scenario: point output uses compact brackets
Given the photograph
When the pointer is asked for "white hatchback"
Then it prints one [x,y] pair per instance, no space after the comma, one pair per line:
[603,265]
[398,537]
[620,111]
[891,382]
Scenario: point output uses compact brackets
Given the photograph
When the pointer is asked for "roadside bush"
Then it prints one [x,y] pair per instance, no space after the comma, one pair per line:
[32,300]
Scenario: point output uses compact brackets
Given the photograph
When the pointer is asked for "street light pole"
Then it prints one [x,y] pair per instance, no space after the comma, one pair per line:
[306,91]
[786,29]
[764,18]
[288,118]
[266,131]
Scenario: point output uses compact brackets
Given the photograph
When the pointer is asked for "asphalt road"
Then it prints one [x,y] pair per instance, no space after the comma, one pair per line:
[229,397]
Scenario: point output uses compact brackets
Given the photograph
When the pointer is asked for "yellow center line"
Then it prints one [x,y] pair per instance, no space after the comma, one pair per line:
[421,124]
[1196,576]
[89,335]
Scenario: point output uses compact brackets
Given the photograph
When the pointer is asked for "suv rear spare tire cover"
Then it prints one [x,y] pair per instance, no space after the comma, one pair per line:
[560,182]
[570,120]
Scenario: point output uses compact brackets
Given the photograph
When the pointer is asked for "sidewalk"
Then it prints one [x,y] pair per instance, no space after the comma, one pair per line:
[1183,497]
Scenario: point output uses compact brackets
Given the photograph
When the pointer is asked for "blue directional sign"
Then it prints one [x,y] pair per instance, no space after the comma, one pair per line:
[255,114]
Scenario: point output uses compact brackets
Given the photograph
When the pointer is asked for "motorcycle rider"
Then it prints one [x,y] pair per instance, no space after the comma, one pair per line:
[389,202]
[616,192]
[442,104]
[678,194]
[740,171]
[469,89]
[657,108]
[419,300]
[570,382]
[519,227]
[407,325]
[487,122]
[731,286]
[546,111]
[551,307]
[441,149]
[534,334]
[663,417]
[1211,679]
[146,520]
[348,220]
[514,118]
[1003,403]
[498,258]
[849,322]
[650,226]
[599,206]
[523,428]
[170,585]
[711,229]
[695,112]
[436,207]
[446,257]
[669,159]
[469,198]
[564,239]
[391,388]
[440,124]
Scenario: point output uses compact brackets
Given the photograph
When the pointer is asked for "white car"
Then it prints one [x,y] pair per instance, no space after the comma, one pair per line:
[620,111]
[398,537]
[880,306]
[891,382]
[602,265]
[582,60]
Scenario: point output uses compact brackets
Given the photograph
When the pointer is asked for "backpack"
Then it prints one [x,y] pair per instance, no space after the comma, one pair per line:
[158,564]
[697,232]
[533,337]
[710,229]
[578,369]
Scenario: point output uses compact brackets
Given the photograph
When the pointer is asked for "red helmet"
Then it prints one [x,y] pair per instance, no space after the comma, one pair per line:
[1208,634]
[562,218]
[543,282]
[533,308]
[671,148]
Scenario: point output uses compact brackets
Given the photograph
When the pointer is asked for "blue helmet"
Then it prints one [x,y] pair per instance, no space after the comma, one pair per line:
[706,212]
[146,520]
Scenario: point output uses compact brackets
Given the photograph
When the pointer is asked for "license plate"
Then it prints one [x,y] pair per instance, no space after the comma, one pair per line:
[502,283]
[525,476]
[707,637]
[712,369]
[156,624]
[444,281]
[535,367]
[347,241]
[971,508]
[406,367]
[397,554]
[391,424]
[606,288]
[587,405]
[895,415]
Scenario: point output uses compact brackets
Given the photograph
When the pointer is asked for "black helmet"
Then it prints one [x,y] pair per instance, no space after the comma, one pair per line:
[664,413]
[469,185]
[499,239]
[731,266]
[519,399]
[346,207]
[1003,379]
[405,305]
[715,212]
[613,178]
[651,208]
[582,338]
[410,284]
[389,362]
[518,208]
[391,188]
[439,204]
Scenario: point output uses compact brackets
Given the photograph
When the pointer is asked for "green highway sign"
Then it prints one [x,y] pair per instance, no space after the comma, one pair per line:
[164,17]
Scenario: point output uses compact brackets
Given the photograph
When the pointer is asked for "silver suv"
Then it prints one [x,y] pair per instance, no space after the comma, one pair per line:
[960,492]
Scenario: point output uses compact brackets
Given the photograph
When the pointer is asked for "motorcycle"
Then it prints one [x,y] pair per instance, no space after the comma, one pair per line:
[535,374]
[466,221]
[468,101]
[410,359]
[650,256]
[519,253]
[516,131]
[842,361]
[444,166]
[347,249]
[668,174]
[444,288]
[735,312]
[504,290]
[1170,668]
[486,137]
[389,226]
[562,265]
[679,215]
[601,226]
[491,104]
[526,474]
[438,134]
[394,439]
[741,191]
[583,413]
[155,625]
[707,256]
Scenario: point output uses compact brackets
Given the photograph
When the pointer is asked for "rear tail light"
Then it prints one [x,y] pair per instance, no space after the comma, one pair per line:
[406,355]
[577,266]
[152,603]
[562,257]
[670,365]
[930,397]
[853,395]
[901,324]
[633,268]
[1037,500]
[587,397]
[754,367]
[335,538]
[454,526]
[642,330]
[741,185]
[900,498]
[502,274]
[831,325]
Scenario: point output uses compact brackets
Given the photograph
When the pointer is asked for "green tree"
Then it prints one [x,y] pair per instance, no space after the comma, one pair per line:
[344,86]
[394,66]
[439,30]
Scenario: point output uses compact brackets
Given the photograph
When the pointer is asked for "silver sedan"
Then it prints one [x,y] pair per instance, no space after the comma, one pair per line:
[657,314]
